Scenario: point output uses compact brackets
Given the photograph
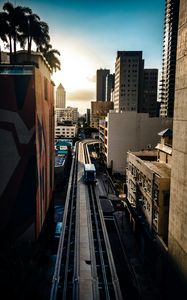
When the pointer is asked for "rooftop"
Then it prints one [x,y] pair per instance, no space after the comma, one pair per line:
[162,169]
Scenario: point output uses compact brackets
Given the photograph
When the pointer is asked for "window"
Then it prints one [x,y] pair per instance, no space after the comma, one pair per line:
[45,89]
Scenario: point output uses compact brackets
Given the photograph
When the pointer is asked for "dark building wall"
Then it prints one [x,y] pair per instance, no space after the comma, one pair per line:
[44,146]
[18,154]
[26,150]
[101,84]
[149,102]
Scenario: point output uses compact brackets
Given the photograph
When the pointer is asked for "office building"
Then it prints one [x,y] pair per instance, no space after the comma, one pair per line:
[66,130]
[128,91]
[167,85]
[99,110]
[121,132]
[110,78]
[66,114]
[149,103]
[60,97]
[101,84]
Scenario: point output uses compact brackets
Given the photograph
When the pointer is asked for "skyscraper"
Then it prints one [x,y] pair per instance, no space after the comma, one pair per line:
[60,97]
[109,86]
[128,80]
[101,84]
[167,86]
[149,102]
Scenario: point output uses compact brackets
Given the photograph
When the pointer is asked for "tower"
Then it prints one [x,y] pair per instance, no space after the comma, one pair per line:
[128,80]
[167,85]
[60,97]
[101,84]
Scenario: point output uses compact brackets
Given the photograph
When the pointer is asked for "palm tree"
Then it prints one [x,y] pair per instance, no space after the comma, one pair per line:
[50,56]
[35,31]
[3,27]
[13,16]
[19,24]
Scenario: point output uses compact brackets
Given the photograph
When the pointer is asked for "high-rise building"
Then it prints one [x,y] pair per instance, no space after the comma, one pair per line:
[167,86]
[149,103]
[128,80]
[177,239]
[99,110]
[101,84]
[60,97]
[109,86]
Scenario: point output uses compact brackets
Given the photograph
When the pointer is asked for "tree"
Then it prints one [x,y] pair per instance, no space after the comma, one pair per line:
[20,24]
[3,27]
[34,30]
[50,56]
[13,16]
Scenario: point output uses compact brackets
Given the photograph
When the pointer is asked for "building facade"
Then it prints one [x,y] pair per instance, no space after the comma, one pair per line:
[177,242]
[66,131]
[148,185]
[167,85]
[149,103]
[27,146]
[99,110]
[101,75]
[121,132]
[128,91]
[60,97]
[110,79]
[66,114]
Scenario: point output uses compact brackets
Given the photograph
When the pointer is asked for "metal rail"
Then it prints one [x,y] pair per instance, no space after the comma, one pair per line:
[64,267]
[66,284]
[107,278]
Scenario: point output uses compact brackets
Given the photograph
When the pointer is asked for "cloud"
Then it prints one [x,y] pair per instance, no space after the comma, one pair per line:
[91,79]
[81,95]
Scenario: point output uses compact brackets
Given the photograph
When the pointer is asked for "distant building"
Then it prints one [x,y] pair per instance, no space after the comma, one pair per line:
[88,116]
[66,130]
[167,88]
[27,146]
[149,102]
[60,97]
[66,114]
[101,75]
[110,79]
[99,110]
[125,131]
[4,57]
[128,91]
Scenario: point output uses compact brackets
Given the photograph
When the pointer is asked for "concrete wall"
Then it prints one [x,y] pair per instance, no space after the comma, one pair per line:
[178,200]
[26,149]
[131,131]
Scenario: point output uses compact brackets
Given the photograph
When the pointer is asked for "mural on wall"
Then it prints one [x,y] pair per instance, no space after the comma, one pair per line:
[26,151]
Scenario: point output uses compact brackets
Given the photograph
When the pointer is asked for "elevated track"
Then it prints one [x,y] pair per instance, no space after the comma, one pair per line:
[84,267]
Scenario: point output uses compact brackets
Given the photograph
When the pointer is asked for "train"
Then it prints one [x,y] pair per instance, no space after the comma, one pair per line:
[89,173]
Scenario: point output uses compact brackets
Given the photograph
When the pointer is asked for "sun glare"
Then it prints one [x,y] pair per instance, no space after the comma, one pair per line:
[76,72]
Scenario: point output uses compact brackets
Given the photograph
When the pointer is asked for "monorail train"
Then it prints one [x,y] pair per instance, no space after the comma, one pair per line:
[89,173]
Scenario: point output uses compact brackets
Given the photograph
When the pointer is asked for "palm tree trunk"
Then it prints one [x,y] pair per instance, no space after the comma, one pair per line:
[14,47]
[10,43]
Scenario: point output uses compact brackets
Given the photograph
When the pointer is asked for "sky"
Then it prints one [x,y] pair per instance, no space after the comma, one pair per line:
[89,33]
